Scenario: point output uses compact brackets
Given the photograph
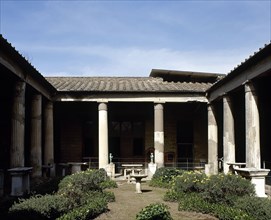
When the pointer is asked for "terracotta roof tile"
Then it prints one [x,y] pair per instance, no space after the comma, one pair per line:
[123,84]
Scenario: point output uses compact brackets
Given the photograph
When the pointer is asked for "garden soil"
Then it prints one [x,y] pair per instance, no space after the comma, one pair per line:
[128,204]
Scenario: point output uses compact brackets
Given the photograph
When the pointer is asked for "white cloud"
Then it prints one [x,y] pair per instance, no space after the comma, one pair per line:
[132,61]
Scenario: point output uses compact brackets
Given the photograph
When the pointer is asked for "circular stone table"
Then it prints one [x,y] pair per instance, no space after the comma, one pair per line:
[138,178]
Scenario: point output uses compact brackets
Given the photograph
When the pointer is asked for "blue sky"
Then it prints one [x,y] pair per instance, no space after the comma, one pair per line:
[129,38]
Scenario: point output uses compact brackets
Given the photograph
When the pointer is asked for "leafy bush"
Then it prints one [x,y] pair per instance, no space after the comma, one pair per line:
[163,176]
[190,181]
[226,188]
[154,211]
[83,193]
[42,186]
[77,186]
[194,202]
[40,207]
[258,208]
[84,181]
[91,209]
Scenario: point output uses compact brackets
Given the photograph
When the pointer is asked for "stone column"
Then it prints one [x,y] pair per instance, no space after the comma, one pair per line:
[228,134]
[36,143]
[103,136]
[212,166]
[159,135]
[253,152]
[18,126]
[49,136]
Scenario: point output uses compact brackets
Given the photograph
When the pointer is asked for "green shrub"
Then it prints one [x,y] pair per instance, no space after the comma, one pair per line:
[76,187]
[194,202]
[226,188]
[90,210]
[190,181]
[40,207]
[84,181]
[155,211]
[171,196]
[93,195]
[42,186]
[163,176]
[258,208]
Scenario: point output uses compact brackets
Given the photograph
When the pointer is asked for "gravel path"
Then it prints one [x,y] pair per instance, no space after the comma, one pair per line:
[128,204]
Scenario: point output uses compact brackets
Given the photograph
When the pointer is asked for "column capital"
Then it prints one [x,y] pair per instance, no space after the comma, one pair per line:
[102,106]
[158,106]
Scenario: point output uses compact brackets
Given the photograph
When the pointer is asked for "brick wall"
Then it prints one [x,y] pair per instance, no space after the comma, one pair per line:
[71,140]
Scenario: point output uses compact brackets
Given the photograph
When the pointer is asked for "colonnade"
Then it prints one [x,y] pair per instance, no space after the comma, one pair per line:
[38,132]
[252,131]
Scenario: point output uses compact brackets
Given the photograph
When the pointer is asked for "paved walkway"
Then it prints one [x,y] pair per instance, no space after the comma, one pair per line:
[128,203]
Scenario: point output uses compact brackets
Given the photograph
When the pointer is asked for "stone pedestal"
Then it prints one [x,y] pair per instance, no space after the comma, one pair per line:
[151,169]
[138,179]
[257,178]
[110,170]
[20,180]
[76,166]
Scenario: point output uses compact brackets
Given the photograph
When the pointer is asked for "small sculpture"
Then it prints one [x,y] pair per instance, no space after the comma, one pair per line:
[152,157]
[110,158]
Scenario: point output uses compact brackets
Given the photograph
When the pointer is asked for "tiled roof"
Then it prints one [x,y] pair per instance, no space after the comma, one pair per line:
[123,84]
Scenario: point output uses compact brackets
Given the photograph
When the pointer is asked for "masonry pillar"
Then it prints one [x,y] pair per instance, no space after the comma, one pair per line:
[18,126]
[212,166]
[35,142]
[103,135]
[228,134]
[49,136]
[159,135]
[253,152]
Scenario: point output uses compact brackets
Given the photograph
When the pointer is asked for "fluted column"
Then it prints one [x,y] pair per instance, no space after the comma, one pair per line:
[159,135]
[18,126]
[253,152]
[103,135]
[228,134]
[212,166]
[49,136]
[36,139]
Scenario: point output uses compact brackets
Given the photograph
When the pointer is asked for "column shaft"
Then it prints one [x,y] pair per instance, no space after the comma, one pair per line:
[35,143]
[253,154]
[103,136]
[228,134]
[49,135]
[159,135]
[212,141]
[18,126]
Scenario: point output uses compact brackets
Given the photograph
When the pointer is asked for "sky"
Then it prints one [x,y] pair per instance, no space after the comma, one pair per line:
[130,38]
